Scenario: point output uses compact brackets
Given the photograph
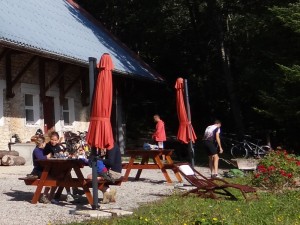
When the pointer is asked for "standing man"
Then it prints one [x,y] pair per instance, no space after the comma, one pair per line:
[212,135]
[160,134]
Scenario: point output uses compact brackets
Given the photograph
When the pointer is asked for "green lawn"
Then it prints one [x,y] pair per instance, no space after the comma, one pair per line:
[282,208]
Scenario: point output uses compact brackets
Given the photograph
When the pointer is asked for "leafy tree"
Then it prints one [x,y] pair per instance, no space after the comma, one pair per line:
[282,104]
[240,57]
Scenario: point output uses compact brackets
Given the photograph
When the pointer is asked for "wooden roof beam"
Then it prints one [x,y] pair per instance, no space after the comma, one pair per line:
[23,70]
[9,91]
[3,53]
[60,73]
[42,75]
[72,84]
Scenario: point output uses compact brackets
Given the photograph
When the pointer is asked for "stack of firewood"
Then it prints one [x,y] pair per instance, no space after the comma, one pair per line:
[11,158]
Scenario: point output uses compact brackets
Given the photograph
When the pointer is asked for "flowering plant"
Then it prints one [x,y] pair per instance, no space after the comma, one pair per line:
[277,170]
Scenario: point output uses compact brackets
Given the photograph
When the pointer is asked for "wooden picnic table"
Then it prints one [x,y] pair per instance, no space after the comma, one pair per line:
[57,173]
[144,156]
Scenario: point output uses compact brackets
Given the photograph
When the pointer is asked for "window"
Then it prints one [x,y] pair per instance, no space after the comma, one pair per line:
[31,104]
[29,111]
[68,111]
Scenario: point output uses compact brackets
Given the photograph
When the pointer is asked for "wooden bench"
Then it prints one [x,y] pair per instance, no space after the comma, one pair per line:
[57,175]
[143,157]
[74,182]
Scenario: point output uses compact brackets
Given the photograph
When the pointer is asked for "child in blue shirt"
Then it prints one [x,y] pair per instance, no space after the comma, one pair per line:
[102,171]
[38,153]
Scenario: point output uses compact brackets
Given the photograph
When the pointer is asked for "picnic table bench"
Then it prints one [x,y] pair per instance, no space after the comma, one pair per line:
[143,156]
[57,173]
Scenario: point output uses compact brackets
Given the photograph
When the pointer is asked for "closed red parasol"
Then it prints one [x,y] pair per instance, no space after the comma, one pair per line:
[100,131]
[185,132]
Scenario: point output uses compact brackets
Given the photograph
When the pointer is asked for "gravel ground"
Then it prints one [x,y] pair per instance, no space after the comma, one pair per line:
[15,206]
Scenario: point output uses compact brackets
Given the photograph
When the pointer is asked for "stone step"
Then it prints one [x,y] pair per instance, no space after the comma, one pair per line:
[102,213]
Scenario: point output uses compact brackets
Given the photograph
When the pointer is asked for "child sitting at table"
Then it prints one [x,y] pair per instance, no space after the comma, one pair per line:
[102,171]
[37,169]
[81,153]
[113,162]
[54,150]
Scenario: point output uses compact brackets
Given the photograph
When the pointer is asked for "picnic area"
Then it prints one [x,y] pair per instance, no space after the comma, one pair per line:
[149,112]
[151,199]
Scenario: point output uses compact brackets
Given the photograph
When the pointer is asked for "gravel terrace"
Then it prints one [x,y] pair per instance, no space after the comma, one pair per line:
[16,196]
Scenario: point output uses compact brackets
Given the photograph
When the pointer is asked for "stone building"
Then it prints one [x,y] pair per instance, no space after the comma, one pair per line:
[44,80]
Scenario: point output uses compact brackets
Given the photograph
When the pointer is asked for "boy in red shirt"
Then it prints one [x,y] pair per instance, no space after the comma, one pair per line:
[160,133]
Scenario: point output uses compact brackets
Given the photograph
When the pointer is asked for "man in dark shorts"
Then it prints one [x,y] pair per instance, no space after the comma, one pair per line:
[211,136]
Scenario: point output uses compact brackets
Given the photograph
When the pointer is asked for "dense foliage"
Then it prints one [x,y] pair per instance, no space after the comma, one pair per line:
[241,59]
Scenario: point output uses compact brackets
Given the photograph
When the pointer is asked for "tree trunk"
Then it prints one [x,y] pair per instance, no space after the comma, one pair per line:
[224,56]
[235,107]
[10,160]
[4,152]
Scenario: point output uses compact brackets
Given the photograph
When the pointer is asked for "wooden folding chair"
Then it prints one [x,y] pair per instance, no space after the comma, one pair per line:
[214,187]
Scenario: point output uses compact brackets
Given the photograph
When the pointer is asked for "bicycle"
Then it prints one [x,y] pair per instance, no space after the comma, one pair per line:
[246,148]
[75,141]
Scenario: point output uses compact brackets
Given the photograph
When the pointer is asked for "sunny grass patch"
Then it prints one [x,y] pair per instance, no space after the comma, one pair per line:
[270,209]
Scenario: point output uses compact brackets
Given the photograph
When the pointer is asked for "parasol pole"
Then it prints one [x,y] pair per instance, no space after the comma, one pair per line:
[187,104]
[93,157]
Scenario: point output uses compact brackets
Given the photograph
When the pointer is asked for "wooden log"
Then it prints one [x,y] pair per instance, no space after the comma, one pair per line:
[11,160]
[4,152]
[19,161]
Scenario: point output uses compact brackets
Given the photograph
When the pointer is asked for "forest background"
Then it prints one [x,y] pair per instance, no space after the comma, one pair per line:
[241,59]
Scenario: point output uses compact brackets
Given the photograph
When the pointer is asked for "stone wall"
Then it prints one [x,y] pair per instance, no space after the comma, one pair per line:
[13,120]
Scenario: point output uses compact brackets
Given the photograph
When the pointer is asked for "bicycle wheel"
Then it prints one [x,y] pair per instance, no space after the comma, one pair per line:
[239,151]
[263,150]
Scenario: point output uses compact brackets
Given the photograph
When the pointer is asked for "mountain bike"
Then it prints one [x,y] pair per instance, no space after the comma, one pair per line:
[75,141]
[248,148]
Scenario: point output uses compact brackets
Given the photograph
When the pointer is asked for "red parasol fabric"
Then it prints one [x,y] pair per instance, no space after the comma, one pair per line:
[185,131]
[100,133]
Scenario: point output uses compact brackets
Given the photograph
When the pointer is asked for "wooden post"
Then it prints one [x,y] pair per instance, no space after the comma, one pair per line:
[92,78]
[188,110]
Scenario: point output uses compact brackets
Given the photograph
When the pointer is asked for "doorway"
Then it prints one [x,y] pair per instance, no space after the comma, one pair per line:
[49,115]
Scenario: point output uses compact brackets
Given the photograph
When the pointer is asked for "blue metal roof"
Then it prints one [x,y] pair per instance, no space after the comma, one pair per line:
[58,28]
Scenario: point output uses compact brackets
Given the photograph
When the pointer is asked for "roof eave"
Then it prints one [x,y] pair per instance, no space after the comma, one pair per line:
[65,58]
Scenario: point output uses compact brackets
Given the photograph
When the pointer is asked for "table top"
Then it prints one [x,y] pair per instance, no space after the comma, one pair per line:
[142,151]
[60,161]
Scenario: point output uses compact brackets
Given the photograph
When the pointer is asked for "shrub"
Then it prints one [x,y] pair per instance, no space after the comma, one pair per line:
[277,170]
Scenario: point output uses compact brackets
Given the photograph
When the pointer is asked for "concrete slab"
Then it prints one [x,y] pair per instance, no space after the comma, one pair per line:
[25,150]
[247,164]
[118,212]
[92,213]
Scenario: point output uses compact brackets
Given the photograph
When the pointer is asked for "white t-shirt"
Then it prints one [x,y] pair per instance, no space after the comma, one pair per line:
[210,133]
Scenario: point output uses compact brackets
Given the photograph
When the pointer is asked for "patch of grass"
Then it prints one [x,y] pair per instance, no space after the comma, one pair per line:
[270,209]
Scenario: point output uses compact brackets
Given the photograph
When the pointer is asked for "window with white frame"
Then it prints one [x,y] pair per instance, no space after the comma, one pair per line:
[68,111]
[31,103]
[29,108]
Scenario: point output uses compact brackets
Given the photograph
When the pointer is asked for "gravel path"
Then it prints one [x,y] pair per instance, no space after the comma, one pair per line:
[15,206]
